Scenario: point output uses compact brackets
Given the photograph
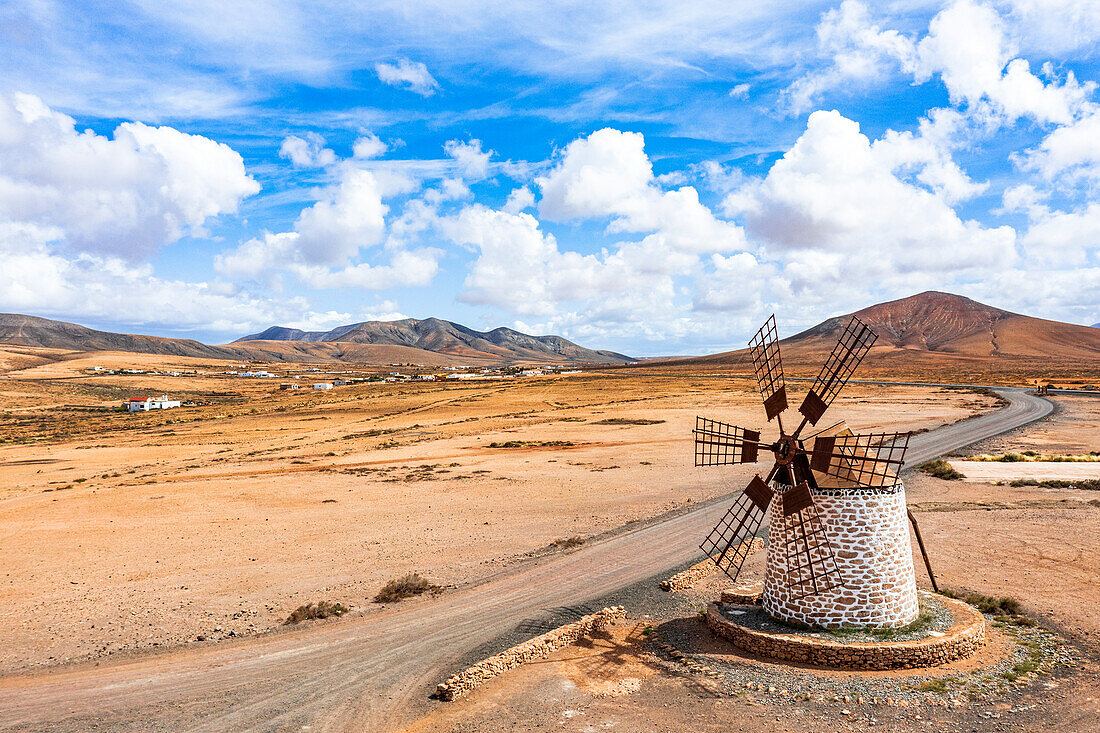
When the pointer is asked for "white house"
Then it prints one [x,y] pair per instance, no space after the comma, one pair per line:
[144,404]
[322,385]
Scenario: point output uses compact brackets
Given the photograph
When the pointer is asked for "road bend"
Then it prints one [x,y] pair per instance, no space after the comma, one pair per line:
[375,672]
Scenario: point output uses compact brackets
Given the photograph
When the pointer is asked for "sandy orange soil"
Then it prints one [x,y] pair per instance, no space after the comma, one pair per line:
[123,532]
[1039,546]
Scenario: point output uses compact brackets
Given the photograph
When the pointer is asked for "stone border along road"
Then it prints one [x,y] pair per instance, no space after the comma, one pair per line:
[376,672]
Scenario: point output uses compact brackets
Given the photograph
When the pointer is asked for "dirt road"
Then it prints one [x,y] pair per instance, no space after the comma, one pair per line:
[375,672]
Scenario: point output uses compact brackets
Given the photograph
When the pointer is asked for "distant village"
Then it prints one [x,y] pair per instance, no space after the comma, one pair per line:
[303,378]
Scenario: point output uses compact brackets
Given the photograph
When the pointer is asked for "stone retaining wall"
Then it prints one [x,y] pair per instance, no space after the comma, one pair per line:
[964,638]
[541,646]
[704,569]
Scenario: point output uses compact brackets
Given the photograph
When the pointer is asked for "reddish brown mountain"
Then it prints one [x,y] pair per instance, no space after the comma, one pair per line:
[952,324]
[935,326]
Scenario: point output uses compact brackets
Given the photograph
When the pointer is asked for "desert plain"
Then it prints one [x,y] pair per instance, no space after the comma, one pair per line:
[128,536]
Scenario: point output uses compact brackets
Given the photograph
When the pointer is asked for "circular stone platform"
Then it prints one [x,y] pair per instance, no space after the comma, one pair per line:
[964,636]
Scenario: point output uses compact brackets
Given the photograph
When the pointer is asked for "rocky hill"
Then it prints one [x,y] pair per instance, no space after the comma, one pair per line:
[934,325]
[446,337]
[952,324]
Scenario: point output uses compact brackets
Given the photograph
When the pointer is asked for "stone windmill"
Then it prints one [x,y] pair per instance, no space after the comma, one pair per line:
[838,552]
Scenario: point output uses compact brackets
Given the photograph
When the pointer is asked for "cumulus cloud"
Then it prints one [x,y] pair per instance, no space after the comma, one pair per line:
[473,162]
[384,310]
[835,194]
[608,175]
[307,151]
[1056,26]
[927,154]
[127,196]
[89,287]
[637,286]
[521,269]
[411,75]
[859,50]
[348,219]
[967,46]
[519,199]
[1070,151]
[368,146]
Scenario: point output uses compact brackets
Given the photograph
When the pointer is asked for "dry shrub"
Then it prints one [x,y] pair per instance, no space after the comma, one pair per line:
[566,542]
[941,469]
[627,421]
[987,604]
[310,611]
[411,585]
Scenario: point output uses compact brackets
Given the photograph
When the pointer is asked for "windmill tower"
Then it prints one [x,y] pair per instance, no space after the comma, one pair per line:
[838,552]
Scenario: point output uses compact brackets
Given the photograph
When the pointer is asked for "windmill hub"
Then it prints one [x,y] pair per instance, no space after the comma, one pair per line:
[838,543]
[786,449]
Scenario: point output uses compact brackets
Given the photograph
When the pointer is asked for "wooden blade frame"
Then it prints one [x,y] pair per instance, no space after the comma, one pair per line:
[764,348]
[854,343]
[810,564]
[722,444]
[730,543]
[872,460]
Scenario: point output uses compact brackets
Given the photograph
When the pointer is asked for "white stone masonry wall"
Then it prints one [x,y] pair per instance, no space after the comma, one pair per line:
[869,533]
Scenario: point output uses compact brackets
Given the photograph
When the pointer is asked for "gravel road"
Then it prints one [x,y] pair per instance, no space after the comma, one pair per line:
[376,672]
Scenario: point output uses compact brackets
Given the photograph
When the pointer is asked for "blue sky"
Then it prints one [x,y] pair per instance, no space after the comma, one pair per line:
[654,178]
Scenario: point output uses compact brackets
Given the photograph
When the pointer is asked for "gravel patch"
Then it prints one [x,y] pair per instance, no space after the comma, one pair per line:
[933,619]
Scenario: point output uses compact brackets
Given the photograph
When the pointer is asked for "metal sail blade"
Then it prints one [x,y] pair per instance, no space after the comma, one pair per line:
[721,444]
[734,539]
[810,566]
[871,460]
[854,343]
[801,472]
[764,348]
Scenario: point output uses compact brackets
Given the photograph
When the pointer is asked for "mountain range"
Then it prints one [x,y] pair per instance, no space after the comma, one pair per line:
[930,325]
[445,337]
[430,341]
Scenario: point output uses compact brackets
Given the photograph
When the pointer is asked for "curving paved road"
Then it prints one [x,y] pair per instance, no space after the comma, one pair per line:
[369,673]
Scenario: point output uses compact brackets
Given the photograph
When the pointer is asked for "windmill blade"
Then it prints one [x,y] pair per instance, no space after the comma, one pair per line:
[734,538]
[871,460]
[764,348]
[810,564]
[722,444]
[854,343]
[801,472]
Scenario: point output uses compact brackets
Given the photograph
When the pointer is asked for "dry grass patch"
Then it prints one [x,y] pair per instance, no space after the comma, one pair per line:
[566,542]
[627,421]
[1030,456]
[987,604]
[941,469]
[311,611]
[413,584]
[1088,484]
